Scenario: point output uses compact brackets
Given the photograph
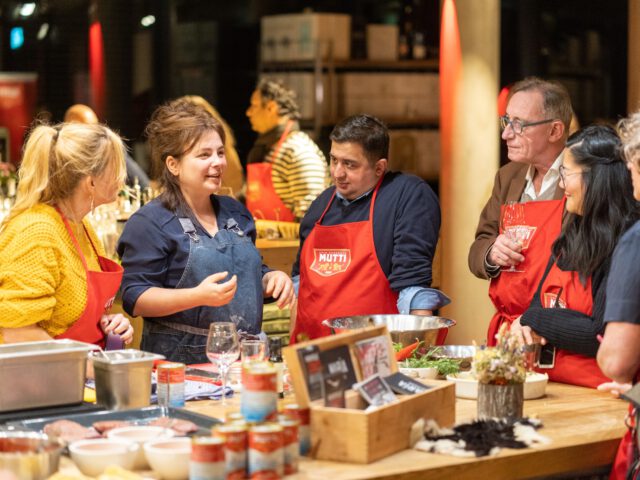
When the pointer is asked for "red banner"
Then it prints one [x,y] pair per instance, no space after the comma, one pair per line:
[18,94]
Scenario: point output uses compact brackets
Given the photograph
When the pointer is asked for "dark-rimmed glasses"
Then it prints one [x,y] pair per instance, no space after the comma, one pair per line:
[518,125]
[564,174]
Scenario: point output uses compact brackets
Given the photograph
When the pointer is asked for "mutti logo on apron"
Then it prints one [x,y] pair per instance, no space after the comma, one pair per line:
[327,262]
[109,304]
[553,300]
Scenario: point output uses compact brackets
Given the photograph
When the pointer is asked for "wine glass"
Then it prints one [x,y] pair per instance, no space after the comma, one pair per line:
[512,218]
[223,348]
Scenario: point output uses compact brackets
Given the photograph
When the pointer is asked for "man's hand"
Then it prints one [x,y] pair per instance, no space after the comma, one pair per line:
[505,252]
[615,388]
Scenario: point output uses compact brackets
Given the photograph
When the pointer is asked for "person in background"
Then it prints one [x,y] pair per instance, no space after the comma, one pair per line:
[367,243]
[233,175]
[55,281]
[567,310]
[619,355]
[535,129]
[189,255]
[79,113]
[286,170]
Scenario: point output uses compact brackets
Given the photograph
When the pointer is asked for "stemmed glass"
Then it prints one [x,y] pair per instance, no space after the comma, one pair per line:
[223,348]
[512,218]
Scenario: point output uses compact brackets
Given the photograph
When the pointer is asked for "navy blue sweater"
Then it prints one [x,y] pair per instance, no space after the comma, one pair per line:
[406,224]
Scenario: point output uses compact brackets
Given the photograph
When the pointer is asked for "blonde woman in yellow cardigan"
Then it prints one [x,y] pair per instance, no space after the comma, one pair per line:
[55,281]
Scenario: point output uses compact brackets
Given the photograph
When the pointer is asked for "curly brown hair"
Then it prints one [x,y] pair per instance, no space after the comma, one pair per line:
[284,97]
[629,130]
[174,129]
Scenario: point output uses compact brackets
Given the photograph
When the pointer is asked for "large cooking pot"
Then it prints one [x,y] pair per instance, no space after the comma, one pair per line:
[404,329]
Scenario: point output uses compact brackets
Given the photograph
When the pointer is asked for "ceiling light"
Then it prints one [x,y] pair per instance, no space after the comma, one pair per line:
[27,9]
[148,20]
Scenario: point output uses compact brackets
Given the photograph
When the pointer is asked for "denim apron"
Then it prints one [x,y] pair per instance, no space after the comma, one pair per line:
[182,337]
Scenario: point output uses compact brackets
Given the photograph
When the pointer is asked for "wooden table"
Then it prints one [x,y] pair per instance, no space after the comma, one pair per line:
[584,426]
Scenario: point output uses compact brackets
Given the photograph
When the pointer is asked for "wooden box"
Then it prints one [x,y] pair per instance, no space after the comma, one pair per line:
[353,435]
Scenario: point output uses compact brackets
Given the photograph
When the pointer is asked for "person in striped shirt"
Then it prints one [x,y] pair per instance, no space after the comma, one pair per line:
[286,170]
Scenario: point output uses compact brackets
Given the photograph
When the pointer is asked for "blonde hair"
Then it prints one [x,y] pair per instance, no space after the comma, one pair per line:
[629,131]
[56,158]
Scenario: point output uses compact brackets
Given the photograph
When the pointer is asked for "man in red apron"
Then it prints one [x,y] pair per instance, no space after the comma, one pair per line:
[366,244]
[535,128]
[286,170]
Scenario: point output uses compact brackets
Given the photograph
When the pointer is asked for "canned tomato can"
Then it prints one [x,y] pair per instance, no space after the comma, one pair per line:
[266,455]
[207,459]
[171,384]
[259,401]
[231,417]
[235,438]
[290,443]
[302,415]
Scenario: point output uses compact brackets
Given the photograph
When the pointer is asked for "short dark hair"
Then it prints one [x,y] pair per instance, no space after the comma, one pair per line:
[284,97]
[367,131]
[556,99]
[587,241]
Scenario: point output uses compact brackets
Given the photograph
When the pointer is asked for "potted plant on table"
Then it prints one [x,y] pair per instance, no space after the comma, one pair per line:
[501,372]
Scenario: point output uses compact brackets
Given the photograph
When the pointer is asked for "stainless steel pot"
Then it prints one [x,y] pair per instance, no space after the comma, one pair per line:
[405,329]
[29,455]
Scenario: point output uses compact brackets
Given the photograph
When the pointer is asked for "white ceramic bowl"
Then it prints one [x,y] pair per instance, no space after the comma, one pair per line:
[467,386]
[420,373]
[169,458]
[93,456]
[140,434]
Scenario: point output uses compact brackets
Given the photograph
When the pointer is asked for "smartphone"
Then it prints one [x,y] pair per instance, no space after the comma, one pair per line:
[547,357]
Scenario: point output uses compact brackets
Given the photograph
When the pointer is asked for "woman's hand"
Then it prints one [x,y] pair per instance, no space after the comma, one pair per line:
[215,294]
[278,285]
[615,388]
[525,335]
[118,324]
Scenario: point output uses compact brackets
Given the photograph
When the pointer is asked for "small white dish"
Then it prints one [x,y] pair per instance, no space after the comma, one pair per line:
[169,458]
[467,386]
[140,434]
[93,456]
[420,373]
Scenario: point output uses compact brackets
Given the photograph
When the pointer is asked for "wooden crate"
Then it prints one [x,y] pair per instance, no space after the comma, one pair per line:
[353,435]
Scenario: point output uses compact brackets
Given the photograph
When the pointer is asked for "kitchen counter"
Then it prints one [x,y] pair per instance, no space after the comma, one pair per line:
[584,426]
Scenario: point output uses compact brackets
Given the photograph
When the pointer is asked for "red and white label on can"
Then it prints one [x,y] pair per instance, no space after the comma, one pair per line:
[235,438]
[207,459]
[302,415]
[291,445]
[259,401]
[171,384]
[266,455]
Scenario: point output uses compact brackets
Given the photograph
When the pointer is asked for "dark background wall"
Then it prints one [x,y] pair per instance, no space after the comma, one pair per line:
[210,47]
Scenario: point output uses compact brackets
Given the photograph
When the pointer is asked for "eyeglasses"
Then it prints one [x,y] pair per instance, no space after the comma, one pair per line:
[518,125]
[564,174]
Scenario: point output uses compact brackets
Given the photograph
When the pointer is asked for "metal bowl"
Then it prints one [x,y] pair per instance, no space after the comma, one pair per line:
[463,353]
[404,329]
[29,455]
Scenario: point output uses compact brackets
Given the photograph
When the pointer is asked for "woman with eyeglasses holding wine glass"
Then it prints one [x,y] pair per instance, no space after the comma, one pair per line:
[566,312]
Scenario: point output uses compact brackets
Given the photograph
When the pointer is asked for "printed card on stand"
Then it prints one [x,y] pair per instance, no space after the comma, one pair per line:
[373,355]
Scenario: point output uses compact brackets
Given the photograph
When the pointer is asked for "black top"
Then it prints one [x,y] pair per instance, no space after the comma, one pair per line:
[406,224]
[154,248]
[623,287]
[569,329]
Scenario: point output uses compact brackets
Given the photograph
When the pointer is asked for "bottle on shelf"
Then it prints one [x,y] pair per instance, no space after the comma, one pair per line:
[275,357]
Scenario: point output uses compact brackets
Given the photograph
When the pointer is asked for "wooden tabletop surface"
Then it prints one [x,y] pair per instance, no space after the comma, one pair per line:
[584,427]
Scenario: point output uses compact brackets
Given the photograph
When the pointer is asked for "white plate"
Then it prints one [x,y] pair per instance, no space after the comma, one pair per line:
[419,372]
[467,385]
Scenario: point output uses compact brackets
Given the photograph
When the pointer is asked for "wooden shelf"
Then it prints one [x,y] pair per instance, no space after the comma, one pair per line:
[366,65]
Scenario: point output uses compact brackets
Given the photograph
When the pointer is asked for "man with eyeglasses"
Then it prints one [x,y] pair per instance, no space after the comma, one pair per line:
[535,128]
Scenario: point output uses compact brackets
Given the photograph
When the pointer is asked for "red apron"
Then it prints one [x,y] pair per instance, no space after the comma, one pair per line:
[511,292]
[101,291]
[262,200]
[624,455]
[564,290]
[340,275]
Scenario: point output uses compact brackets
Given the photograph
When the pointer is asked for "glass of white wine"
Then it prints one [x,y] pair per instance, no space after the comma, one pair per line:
[223,348]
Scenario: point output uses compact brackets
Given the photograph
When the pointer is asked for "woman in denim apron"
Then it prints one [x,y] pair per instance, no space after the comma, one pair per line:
[189,255]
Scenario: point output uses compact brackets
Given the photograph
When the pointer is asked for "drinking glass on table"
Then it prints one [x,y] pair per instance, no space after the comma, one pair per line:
[512,218]
[252,351]
[223,348]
